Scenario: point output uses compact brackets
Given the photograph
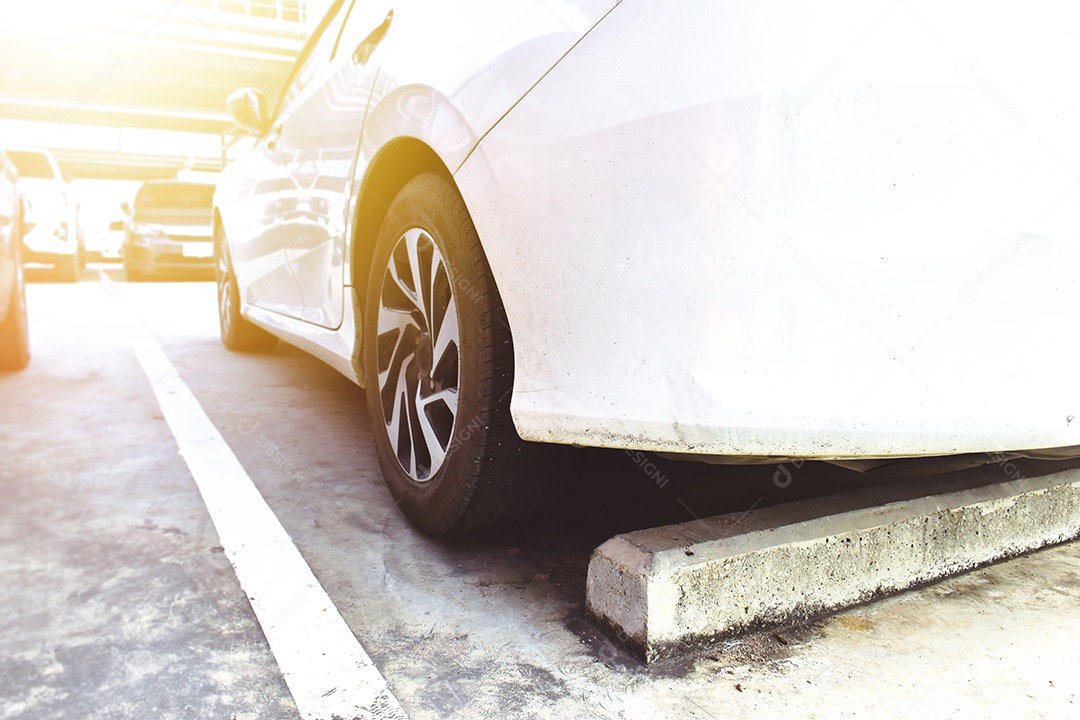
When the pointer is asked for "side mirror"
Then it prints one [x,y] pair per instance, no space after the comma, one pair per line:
[126,207]
[248,108]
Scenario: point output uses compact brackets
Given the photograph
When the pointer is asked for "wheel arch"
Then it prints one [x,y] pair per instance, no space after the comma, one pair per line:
[218,227]
[397,162]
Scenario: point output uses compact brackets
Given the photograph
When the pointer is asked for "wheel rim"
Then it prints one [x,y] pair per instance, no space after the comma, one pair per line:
[224,284]
[418,355]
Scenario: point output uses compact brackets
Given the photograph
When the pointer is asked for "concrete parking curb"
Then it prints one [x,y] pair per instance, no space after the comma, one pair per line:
[670,590]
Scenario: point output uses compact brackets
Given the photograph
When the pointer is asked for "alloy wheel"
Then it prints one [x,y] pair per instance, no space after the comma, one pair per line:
[418,354]
[225,291]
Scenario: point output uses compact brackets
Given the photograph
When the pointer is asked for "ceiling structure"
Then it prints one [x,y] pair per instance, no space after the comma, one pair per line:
[158,65]
[113,165]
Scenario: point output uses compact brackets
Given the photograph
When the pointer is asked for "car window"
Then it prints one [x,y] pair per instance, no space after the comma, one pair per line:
[316,53]
[32,164]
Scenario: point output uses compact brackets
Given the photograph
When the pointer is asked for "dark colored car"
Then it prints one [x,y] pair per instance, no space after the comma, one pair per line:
[14,336]
[169,229]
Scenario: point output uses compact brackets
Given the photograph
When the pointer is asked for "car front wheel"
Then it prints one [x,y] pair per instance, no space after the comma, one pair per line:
[237,333]
[438,360]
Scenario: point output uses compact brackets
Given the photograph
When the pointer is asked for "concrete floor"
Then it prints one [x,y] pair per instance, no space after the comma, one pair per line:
[117,602]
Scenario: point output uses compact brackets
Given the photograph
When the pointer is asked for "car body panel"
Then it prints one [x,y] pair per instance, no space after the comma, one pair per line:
[498,52]
[766,231]
[317,148]
[10,270]
[254,229]
[489,56]
[14,334]
[333,346]
[806,254]
[54,235]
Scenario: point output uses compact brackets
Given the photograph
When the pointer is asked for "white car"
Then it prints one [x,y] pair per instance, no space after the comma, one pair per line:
[725,231]
[54,240]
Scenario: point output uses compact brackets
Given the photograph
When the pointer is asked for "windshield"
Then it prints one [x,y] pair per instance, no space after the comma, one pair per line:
[32,164]
[175,196]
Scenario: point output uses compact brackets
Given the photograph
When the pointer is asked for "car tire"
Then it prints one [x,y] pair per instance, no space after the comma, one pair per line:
[14,330]
[237,333]
[439,370]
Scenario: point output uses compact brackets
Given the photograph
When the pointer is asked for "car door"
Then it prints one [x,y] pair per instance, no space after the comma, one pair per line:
[318,147]
[267,192]
[254,230]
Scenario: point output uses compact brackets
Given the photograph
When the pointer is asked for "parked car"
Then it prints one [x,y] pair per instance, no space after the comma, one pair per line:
[687,228]
[169,229]
[55,238]
[106,245]
[14,333]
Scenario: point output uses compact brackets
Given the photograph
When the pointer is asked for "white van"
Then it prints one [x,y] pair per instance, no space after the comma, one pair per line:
[54,239]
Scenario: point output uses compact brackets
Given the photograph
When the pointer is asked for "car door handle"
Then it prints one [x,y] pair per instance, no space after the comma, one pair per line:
[366,48]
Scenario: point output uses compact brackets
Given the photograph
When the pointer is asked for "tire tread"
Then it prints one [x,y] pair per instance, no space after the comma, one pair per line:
[501,485]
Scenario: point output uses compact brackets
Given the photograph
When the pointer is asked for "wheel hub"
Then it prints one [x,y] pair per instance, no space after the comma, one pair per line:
[424,356]
[418,353]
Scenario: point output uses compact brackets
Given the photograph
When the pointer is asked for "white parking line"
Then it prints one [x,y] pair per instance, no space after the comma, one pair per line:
[328,672]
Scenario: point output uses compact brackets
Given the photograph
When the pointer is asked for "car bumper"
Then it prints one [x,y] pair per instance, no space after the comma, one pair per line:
[169,255]
[851,264]
[47,244]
